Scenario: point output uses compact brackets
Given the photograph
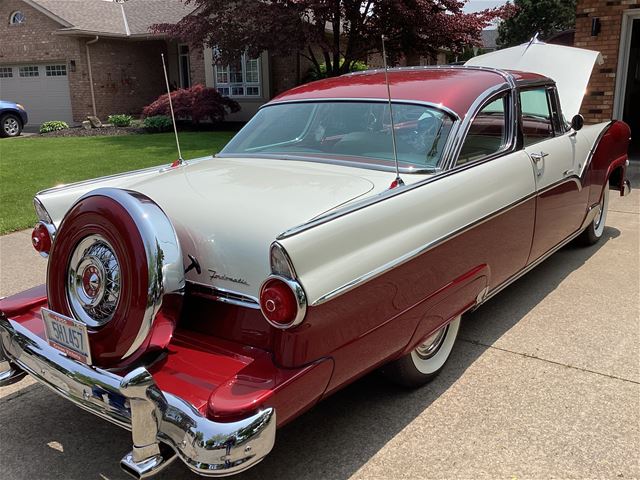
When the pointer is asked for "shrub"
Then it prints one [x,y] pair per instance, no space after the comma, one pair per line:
[120,120]
[157,124]
[196,103]
[53,126]
[314,74]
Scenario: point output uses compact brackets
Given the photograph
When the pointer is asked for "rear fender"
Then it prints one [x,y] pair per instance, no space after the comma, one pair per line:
[609,161]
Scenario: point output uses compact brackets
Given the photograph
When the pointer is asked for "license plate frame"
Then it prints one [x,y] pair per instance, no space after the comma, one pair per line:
[67,335]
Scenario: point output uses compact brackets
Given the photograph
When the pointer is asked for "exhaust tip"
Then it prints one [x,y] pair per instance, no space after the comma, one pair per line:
[150,466]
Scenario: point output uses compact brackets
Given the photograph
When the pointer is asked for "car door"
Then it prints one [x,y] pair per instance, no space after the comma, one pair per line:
[557,156]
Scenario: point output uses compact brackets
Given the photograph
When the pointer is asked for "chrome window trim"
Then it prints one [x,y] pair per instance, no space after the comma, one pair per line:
[437,106]
[450,151]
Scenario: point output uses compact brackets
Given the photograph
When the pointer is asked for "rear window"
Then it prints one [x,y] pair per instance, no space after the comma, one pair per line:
[357,131]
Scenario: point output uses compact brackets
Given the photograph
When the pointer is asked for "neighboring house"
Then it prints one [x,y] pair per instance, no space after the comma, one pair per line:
[66,59]
[613,28]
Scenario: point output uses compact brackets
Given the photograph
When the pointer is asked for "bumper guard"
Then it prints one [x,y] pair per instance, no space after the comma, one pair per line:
[162,424]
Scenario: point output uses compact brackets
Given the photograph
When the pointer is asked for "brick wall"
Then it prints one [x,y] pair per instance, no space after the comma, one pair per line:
[598,103]
[127,74]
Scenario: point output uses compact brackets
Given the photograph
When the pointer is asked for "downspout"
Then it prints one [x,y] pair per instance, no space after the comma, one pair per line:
[93,95]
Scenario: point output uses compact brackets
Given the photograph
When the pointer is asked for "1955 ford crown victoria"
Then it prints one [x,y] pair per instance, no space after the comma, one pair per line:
[207,303]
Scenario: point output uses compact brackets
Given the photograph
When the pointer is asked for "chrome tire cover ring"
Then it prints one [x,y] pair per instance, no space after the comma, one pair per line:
[93,281]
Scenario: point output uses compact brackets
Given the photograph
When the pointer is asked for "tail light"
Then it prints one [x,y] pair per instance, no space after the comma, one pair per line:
[42,239]
[283,302]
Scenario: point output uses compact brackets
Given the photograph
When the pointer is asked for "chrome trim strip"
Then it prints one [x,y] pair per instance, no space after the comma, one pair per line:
[450,151]
[415,253]
[437,106]
[534,264]
[135,402]
[222,295]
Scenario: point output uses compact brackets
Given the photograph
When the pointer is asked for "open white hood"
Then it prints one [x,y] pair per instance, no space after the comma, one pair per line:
[569,67]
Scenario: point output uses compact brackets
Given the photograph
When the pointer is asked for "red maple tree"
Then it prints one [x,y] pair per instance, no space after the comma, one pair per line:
[333,34]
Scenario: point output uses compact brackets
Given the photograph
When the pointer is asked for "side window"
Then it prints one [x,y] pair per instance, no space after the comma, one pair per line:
[487,133]
[537,123]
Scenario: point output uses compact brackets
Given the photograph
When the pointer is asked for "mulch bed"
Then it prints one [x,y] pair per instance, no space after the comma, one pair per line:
[95,132]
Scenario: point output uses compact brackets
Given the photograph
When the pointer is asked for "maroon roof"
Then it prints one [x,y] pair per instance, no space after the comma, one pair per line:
[454,88]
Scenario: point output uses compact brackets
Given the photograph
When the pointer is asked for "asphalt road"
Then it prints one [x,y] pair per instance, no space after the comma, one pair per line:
[543,382]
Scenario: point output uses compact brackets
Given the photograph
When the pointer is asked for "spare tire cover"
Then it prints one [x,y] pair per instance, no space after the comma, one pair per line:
[116,266]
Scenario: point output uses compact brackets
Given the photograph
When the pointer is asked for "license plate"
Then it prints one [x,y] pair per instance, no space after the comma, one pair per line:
[67,335]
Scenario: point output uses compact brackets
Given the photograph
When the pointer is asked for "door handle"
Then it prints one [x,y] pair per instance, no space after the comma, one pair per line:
[569,172]
[538,160]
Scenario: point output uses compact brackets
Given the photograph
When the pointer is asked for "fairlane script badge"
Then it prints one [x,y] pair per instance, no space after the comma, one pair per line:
[213,275]
[67,335]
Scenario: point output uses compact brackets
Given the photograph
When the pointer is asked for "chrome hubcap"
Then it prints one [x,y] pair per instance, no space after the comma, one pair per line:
[93,281]
[432,344]
[11,126]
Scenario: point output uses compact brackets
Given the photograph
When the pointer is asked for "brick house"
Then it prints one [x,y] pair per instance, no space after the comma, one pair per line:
[613,28]
[66,59]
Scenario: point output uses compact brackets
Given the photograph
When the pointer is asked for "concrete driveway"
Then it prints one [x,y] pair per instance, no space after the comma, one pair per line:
[544,382]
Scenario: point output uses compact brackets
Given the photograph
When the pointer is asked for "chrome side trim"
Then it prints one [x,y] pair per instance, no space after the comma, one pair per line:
[157,419]
[537,262]
[415,253]
[222,295]
[450,151]
[592,152]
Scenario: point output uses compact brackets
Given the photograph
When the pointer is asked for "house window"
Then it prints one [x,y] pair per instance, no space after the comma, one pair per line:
[29,71]
[56,70]
[240,79]
[6,72]
[17,18]
[183,61]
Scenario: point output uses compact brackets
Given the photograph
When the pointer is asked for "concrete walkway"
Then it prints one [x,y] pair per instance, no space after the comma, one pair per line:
[544,382]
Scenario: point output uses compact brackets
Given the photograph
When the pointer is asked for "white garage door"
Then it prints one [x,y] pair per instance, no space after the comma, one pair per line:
[43,89]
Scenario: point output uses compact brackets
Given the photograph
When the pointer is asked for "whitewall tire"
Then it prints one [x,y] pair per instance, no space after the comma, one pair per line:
[593,233]
[425,362]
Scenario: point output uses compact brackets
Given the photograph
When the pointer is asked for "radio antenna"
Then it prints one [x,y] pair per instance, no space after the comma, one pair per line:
[173,117]
[398,181]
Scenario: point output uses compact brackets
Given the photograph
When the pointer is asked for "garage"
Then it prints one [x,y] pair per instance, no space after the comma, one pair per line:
[43,89]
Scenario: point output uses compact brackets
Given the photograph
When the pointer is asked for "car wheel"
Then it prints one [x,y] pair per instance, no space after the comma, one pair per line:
[10,125]
[425,362]
[593,233]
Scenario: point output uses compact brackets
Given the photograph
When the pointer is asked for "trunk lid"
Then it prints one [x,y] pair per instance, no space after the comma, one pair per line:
[569,67]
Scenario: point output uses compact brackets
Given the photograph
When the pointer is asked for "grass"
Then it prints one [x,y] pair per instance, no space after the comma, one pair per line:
[28,165]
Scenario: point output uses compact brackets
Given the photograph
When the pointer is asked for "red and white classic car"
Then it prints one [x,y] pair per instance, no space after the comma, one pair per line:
[205,304]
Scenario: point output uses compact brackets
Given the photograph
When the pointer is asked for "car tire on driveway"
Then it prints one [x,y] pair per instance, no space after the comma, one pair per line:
[10,125]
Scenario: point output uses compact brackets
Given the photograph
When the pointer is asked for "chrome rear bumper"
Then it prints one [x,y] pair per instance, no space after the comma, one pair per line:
[161,424]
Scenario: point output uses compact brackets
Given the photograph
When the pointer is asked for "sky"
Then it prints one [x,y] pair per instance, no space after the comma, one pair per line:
[477,5]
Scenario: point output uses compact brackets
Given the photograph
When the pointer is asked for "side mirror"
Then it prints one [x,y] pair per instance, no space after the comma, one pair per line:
[577,122]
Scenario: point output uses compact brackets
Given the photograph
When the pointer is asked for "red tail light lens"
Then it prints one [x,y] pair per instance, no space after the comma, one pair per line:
[41,239]
[282,302]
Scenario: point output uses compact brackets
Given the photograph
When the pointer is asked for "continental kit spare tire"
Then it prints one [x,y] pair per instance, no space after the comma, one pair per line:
[116,265]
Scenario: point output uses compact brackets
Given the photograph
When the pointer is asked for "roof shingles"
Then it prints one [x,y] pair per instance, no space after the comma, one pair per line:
[108,17]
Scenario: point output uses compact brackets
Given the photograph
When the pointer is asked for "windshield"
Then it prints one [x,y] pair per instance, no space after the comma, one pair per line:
[349,130]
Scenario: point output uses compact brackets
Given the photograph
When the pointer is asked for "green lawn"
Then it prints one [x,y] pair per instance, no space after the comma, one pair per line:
[28,165]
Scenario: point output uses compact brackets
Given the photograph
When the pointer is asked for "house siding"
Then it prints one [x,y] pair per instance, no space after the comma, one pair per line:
[598,103]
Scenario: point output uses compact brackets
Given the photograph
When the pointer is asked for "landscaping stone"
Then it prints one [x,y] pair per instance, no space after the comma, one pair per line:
[86,125]
[95,121]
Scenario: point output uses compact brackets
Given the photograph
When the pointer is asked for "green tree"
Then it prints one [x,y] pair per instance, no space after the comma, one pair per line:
[529,17]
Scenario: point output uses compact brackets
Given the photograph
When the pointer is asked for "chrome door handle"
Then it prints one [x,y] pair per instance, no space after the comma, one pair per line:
[569,172]
[537,157]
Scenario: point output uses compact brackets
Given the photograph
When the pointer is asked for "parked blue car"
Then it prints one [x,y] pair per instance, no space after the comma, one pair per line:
[13,118]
